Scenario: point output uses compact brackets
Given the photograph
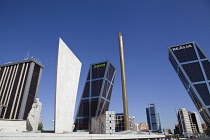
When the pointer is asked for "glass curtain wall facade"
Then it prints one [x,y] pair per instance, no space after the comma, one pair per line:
[153,119]
[193,69]
[159,123]
[119,122]
[96,95]
[19,84]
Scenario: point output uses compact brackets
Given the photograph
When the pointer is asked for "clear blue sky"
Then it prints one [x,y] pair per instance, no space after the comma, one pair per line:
[90,28]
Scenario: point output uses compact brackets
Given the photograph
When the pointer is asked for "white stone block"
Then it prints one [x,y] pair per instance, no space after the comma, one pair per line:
[12,126]
[67,79]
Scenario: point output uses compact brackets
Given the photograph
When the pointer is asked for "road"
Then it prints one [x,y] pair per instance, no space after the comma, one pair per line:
[199,138]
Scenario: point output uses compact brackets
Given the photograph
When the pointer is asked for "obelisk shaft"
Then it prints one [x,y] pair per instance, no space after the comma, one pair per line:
[123,78]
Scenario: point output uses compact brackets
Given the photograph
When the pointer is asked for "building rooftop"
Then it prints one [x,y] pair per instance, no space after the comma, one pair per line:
[23,61]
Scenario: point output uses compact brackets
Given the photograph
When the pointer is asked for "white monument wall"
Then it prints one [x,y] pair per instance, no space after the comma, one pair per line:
[12,126]
[103,124]
[67,79]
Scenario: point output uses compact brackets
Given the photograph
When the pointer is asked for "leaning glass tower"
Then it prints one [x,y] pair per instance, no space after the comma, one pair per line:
[153,119]
[96,95]
[193,69]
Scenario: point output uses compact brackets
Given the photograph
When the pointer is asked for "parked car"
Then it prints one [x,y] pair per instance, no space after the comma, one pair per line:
[192,136]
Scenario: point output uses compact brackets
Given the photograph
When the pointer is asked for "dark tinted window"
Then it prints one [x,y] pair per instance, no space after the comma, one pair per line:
[32,90]
[96,87]
[100,112]
[206,66]
[94,105]
[1,72]
[152,110]
[200,53]
[183,78]
[148,117]
[185,53]
[82,124]
[113,79]
[195,98]
[193,70]
[203,92]
[98,70]
[205,116]
[106,106]
[76,123]
[110,93]
[106,88]
[86,90]
[173,62]
[84,108]
[88,77]
[110,73]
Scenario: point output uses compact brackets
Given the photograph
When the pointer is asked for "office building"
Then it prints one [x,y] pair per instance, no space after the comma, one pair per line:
[204,126]
[192,67]
[120,122]
[184,122]
[19,84]
[153,119]
[136,127]
[189,122]
[158,122]
[96,95]
[195,122]
[67,80]
[143,126]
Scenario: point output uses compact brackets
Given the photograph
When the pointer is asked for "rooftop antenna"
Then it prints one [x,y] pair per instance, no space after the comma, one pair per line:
[27,55]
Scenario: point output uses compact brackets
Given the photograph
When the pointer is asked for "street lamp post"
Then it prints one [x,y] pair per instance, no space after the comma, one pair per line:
[124,91]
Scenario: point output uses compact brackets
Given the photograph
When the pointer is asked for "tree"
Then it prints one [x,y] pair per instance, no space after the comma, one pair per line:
[40,127]
[169,131]
[207,131]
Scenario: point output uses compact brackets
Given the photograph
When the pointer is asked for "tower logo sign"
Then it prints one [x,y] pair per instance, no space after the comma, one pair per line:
[182,47]
[99,65]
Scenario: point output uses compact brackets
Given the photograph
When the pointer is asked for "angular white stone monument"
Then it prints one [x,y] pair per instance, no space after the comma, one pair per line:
[67,79]
[33,118]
